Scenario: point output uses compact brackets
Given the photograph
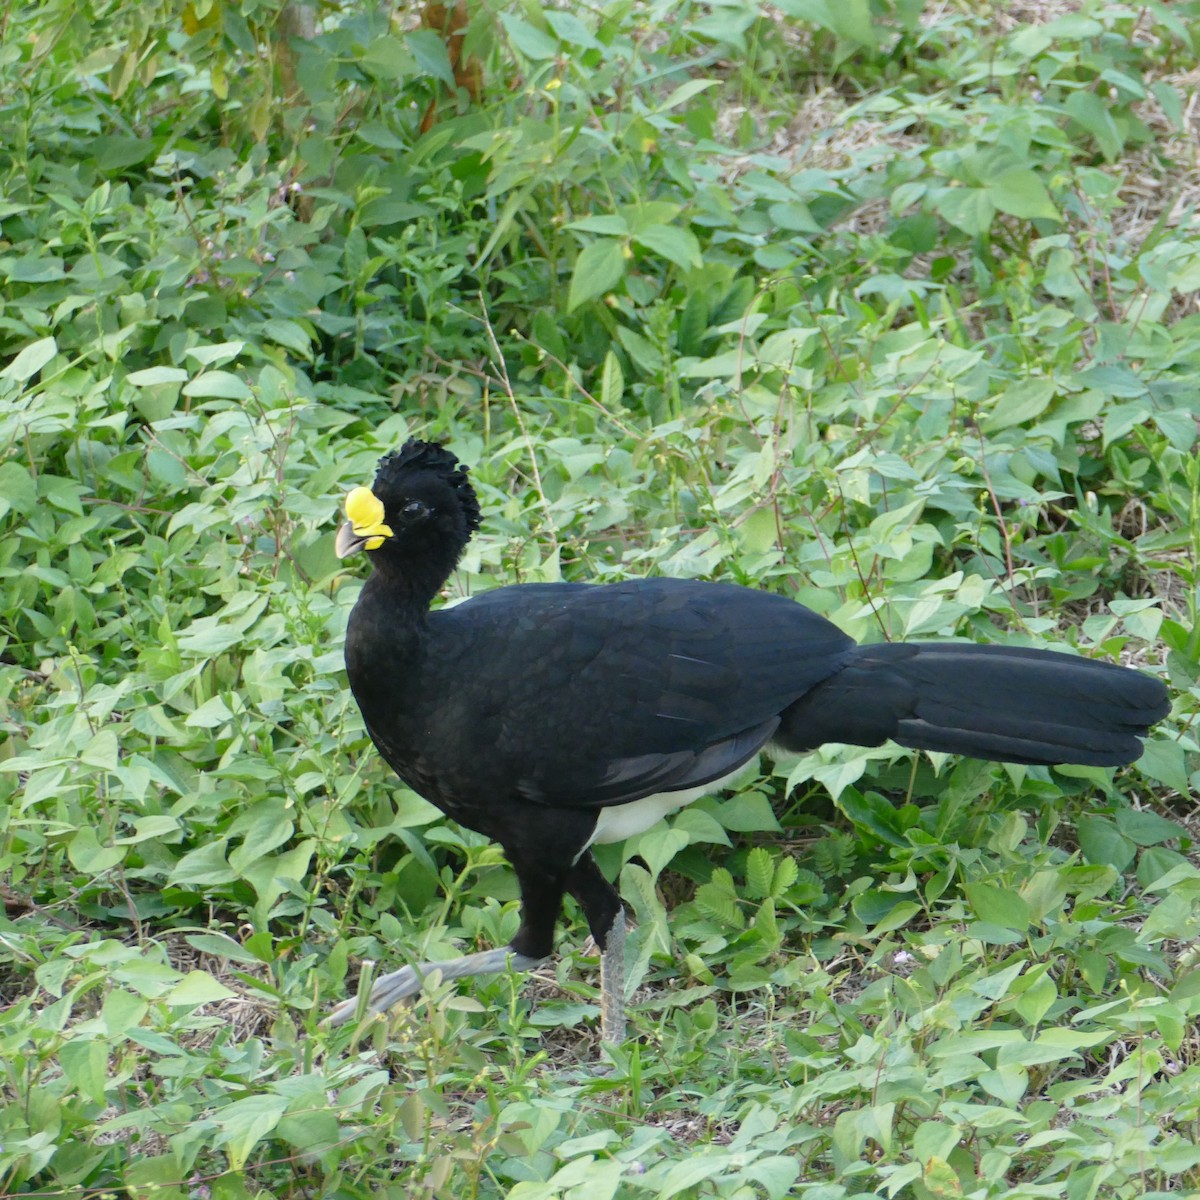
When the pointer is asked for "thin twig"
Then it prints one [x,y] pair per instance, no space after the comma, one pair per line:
[502,367]
[991,491]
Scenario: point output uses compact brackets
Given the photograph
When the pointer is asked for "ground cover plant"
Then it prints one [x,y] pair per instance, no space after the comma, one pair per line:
[888,306]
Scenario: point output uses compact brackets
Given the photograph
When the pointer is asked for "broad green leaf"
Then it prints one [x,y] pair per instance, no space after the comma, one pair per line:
[204,867]
[966,208]
[1007,1083]
[1165,760]
[17,488]
[87,855]
[678,246]
[1020,403]
[747,812]
[849,19]
[527,39]
[999,906]
[195,988]
[1148,828]
[570,29]
[656,847]
[222,947]
[30,360]
[156,375]
[219,384]
[429,51]
[84,1062]
[115,152]
[598,269]
[1035,1001]
[685,91]
[35,268]
[244,1123]
[788,347]
[1020,193]
[1092,115]
[1103,843]
[610,224]
[216,353]
[289,334]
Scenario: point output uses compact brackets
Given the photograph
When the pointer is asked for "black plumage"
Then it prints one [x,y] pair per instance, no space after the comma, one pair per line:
[539,714]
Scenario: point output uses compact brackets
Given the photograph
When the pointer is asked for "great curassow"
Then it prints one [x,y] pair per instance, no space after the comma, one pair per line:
[550,717]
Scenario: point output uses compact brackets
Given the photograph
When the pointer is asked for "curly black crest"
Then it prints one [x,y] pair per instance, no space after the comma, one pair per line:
[417,457]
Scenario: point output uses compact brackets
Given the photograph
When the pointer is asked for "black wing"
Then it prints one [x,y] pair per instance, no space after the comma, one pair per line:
[598,695]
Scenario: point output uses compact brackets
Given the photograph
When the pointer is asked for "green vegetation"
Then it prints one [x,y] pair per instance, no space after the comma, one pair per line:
[884,305]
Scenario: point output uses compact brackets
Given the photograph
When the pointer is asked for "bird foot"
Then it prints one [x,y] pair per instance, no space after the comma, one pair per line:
[390,990]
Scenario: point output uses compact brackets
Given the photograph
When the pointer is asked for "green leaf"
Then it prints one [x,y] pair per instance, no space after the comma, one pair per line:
[1036,1000]
[219,384]
[215,354]
[156,375]
[569,29]
[787,871]
[36,268]
[290,335]
[1008,1084]
[717,903]
[1020,193]
[1165,760]
[1020,403]
[30,360]
[84,1062]
[610,224]
[195,988]
[87,855]
[678,246]
[244,1123]
[788,347]
[612,382]
[1091,114]
[966,208]
[1148,828]
[598,269]
[204,867]
[998,906]
[431,54]
[220,946]
[656,847]
[17,488]
[1103,843]
[685,91]
[528,40]
[760,872]
[114,152]
[849,19]
[747,812]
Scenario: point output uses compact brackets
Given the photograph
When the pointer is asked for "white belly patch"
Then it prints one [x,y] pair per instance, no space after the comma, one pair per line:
[621,821]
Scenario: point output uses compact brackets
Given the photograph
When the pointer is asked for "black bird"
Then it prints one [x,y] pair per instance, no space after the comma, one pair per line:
[553,716]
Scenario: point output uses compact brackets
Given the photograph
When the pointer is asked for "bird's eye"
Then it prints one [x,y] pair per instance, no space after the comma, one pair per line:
[414,510]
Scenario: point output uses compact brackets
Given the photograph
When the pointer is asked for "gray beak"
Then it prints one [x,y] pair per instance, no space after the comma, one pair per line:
[347,541]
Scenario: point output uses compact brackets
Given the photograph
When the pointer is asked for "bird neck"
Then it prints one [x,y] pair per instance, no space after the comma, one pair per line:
[409,587]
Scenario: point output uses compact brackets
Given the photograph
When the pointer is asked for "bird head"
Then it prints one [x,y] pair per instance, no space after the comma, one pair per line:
[420,502]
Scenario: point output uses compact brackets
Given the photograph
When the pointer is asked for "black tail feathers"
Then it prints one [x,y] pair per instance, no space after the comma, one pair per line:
[1006,704]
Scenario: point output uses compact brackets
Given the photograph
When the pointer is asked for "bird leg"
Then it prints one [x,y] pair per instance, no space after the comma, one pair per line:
[390,989]
[606,919]
[612,982]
